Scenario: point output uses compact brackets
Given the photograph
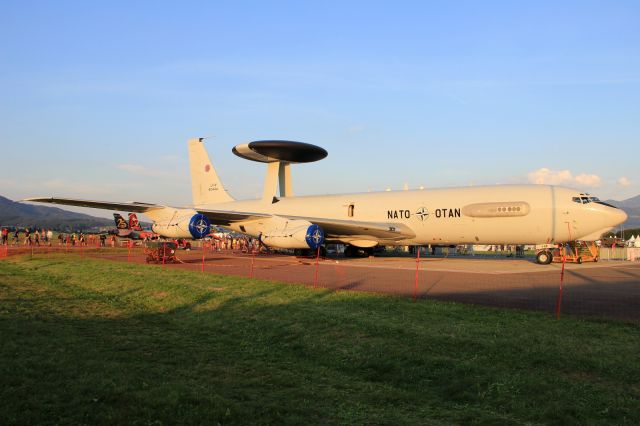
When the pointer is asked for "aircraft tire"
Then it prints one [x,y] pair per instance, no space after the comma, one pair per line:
[351,251]
[579,260]
[544,257]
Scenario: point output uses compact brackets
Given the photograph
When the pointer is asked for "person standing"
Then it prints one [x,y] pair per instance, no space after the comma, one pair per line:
[49,236]
[27,237]
[5,236]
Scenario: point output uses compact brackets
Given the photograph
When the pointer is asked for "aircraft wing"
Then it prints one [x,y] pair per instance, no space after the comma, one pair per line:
[227,217]
[107,205]
[335,228]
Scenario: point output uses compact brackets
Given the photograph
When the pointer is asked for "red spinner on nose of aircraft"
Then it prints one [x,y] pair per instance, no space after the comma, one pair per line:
[271,151]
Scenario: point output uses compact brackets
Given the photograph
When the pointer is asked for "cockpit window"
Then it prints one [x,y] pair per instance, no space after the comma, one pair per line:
[586,199]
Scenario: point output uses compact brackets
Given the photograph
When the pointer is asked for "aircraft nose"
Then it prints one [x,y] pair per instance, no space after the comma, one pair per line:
[620,216]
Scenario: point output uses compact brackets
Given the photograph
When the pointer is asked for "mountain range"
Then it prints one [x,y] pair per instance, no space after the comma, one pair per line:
[26,215]
[632,207]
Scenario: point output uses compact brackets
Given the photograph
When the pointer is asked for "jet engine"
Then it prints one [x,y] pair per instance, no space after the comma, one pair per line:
[185,223]
[296,234]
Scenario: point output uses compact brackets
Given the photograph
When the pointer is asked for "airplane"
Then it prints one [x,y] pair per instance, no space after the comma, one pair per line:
[543,215]
[131,229]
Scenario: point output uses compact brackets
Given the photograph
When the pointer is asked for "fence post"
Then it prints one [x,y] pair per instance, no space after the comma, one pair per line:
[253,258]
[559,299]
[315,280]
[415,285]
[203,250]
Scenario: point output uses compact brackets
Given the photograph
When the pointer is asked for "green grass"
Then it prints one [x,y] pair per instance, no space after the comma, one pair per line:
[85,341]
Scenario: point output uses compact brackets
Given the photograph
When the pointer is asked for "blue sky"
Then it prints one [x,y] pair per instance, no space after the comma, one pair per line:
[97,100]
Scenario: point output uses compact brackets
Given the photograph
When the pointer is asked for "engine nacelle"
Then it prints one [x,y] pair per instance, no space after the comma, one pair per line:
[300,235]
[189,225]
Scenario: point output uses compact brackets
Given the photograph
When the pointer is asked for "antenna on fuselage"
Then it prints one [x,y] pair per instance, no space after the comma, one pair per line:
[279,155]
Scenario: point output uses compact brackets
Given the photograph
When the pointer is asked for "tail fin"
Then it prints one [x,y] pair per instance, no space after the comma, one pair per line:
[134,223]
[205,183]
[120,222]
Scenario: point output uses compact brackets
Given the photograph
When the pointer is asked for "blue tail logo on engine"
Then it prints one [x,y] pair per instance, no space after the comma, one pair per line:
[315,236]
[199,226]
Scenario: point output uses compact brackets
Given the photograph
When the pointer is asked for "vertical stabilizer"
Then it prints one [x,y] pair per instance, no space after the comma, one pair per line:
[134,223]
[120,222]
[205,183]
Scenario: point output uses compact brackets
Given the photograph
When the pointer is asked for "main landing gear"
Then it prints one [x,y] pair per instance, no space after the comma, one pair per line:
[352,251]
[309,252]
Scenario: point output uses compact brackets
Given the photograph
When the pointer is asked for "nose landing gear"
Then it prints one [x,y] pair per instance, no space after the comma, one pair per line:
[544,257]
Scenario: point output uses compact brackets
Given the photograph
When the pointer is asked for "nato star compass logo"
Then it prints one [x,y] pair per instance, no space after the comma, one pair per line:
[314,237]
[202,226]
[422,213]
[317,237]
[199,226]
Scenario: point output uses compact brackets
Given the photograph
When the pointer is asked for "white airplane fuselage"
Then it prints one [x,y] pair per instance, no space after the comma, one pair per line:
[503,214]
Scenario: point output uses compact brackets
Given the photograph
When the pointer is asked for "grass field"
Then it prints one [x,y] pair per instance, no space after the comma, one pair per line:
[85,341]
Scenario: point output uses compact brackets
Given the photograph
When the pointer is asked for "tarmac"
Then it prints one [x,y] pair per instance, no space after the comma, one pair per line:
[606,289]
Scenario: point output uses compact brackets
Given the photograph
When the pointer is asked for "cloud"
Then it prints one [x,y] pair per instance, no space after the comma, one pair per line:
[74,187]
[624,182]
[585,179]
[141,170]
[136,169]
[545,176]
[356,128]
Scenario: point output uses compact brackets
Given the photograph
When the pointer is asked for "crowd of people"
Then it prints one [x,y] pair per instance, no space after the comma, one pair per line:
[26,236]
[38,237]
[45,237]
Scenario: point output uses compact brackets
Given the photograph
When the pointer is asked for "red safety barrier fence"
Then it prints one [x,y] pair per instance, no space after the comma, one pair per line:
[415,285]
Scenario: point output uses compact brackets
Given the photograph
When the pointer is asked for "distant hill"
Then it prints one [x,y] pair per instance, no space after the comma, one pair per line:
[27,215]
[632,207]
[631,203]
